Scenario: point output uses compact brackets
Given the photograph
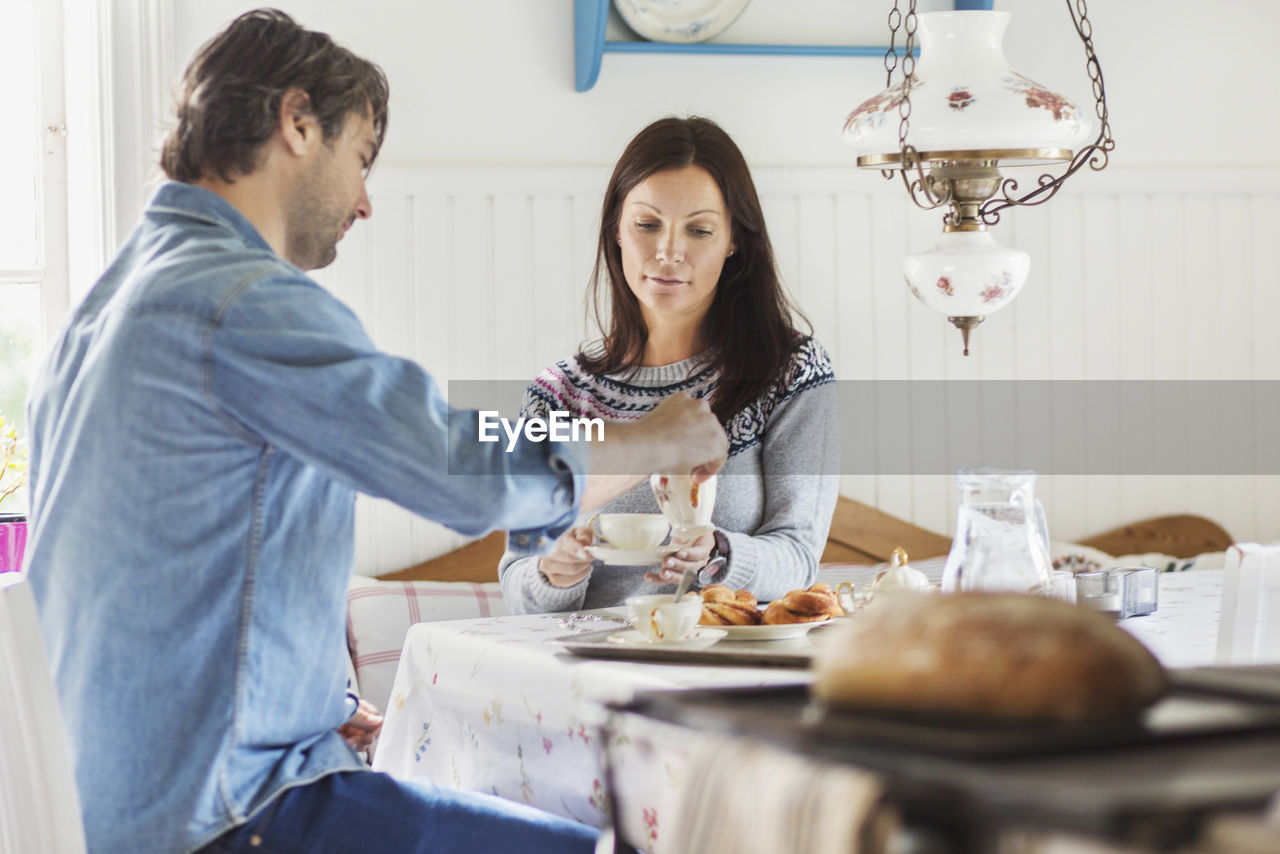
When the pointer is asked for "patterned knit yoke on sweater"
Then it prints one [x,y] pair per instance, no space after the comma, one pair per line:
[567,387]
[774,496]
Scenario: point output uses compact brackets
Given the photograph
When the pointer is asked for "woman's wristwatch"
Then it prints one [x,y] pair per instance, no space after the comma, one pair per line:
[718,565]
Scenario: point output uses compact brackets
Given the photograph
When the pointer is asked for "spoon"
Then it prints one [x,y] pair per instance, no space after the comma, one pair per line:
[685,580]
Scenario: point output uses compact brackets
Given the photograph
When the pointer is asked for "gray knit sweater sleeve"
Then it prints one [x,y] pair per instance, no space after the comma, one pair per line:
[800,464]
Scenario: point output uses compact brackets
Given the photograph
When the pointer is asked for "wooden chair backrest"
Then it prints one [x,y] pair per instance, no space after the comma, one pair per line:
[1181,536]
[476,562]
[862,534]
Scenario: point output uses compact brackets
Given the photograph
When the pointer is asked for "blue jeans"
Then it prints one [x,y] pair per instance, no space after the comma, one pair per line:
[370,811]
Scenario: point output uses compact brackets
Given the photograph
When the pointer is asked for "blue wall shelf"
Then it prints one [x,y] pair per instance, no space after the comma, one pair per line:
[590,16]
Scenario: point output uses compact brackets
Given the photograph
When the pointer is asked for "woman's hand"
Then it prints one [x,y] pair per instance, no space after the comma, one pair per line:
[363,727]
[691,555]
[568,563]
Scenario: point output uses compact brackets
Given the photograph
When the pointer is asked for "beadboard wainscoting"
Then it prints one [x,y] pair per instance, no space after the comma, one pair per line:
[481,274]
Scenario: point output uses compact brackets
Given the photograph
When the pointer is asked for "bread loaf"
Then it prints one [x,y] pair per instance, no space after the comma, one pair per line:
[1002,655]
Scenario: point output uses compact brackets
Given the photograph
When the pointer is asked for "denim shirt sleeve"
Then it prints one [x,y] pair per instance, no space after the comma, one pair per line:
[289,365]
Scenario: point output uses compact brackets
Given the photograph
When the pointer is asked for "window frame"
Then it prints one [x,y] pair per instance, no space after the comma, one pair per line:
[98,136]
[50,275]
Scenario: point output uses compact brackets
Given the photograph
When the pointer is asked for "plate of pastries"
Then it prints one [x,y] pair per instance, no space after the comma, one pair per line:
[740,615]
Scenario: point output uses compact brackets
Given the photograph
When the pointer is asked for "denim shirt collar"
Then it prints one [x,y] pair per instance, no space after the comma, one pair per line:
[189,200]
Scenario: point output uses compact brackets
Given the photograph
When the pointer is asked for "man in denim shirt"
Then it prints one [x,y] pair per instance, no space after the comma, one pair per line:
[199,432]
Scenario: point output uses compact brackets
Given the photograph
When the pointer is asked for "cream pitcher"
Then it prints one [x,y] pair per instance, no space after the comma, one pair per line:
[1002,539]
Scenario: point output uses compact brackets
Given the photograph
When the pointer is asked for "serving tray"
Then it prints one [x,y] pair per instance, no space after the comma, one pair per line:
[1258,681]
[789,652]
[1185,713]
[1149,780]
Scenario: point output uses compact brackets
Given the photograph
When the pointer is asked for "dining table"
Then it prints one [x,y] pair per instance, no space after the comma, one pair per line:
[498,705]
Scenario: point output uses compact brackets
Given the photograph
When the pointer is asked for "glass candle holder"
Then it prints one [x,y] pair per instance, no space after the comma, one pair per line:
[1139,589]
[1100,590]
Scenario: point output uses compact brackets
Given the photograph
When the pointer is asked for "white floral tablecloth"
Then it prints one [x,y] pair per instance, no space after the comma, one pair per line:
[491,705]
[1183,632]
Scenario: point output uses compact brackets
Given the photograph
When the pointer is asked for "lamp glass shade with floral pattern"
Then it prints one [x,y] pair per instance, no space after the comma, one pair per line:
[970,115]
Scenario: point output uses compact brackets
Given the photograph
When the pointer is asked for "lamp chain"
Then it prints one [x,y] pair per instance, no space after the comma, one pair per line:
[1097,154]
[891,60]
[891,55]
[908,68]
[916,185]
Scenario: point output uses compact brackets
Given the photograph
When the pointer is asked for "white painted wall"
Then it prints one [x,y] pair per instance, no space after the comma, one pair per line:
[1144,271]
[492,82]
[492,281]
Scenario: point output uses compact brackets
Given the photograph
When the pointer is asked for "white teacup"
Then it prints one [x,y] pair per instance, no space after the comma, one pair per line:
[686,504]
[661,619]
[631,531]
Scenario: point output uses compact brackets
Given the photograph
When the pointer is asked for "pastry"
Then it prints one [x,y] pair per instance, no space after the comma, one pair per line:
[724,606]
[994,655]
[813,605]
[721,593]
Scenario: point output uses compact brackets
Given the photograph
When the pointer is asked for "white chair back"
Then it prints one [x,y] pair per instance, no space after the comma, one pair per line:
[39,805]
[1249,623]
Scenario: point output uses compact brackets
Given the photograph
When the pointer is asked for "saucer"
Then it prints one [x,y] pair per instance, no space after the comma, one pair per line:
[702,637]
[631,557]
[779,631]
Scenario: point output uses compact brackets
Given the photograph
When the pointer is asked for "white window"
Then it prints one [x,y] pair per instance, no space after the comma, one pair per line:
[33,250]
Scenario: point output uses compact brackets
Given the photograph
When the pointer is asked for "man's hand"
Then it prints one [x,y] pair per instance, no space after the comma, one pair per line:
[363,727]
[568,562]
[681,434]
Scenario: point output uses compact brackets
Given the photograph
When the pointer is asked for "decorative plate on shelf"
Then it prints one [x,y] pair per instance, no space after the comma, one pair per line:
[681,21]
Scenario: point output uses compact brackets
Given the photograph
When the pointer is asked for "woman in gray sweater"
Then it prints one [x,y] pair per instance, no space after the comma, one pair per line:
[686,275]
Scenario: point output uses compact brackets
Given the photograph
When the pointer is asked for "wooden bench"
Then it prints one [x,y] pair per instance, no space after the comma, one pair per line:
[861,534]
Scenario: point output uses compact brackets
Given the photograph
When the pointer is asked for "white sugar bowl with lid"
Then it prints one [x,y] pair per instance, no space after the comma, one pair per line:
[900,577]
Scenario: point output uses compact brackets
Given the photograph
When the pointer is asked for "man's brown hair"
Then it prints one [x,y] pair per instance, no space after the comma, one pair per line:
[232,90]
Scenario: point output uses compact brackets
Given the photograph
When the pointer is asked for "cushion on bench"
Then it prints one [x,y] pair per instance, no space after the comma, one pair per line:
[379,614]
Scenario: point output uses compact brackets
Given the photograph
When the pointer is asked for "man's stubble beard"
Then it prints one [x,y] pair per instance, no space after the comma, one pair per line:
[315,219]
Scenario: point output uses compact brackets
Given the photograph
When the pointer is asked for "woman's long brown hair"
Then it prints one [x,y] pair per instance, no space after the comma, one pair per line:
[749,323]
